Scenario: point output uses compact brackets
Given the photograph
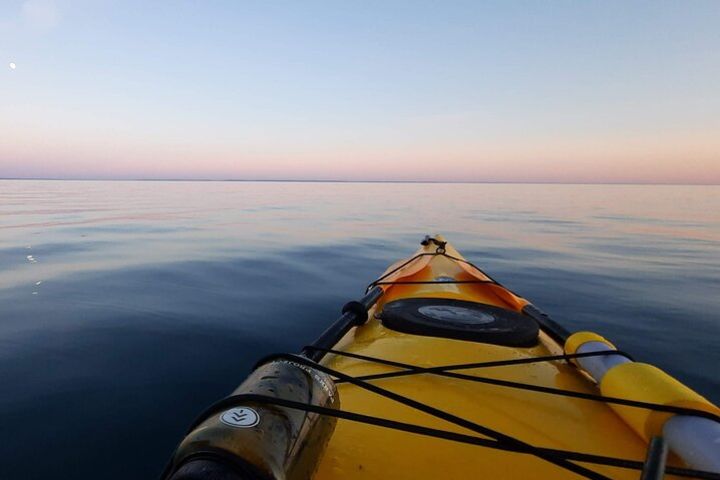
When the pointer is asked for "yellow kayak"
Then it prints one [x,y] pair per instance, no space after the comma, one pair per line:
[440,372]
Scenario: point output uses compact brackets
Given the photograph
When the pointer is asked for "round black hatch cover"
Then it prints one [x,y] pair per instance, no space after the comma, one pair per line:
[477,322]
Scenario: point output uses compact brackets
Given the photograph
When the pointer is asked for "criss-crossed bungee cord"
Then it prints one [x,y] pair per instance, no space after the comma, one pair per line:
[496,440]
[519,445]
[447,371]
[439,252]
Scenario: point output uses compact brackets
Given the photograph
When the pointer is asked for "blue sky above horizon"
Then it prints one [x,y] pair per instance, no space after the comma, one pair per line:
[463,90]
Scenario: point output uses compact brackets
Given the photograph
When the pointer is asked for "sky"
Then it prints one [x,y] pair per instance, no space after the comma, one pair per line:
[487,91]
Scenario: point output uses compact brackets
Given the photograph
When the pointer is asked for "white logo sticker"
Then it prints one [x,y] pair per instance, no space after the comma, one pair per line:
[241,417]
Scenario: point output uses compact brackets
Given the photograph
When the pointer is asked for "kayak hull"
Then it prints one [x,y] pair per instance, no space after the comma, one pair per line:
[363,451]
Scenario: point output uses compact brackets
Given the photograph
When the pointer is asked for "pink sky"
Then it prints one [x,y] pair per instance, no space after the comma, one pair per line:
[690,158]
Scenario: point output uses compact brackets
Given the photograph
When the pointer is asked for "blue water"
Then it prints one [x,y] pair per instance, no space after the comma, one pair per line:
[127,307]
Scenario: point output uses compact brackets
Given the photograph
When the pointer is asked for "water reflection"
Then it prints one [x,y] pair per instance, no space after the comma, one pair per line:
[128,306]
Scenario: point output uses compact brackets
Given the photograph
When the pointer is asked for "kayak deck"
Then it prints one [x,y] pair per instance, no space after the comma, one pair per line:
[358,450]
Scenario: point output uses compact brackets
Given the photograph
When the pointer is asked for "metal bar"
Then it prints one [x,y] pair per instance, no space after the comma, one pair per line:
[354,314]
[654,468]
[556,331]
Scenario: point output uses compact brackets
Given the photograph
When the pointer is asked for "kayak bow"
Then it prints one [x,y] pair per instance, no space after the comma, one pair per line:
[441,372]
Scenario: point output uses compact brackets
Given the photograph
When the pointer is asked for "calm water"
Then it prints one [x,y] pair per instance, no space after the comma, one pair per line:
[126,307]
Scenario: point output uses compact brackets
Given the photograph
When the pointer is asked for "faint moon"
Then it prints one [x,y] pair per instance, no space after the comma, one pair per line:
[12,66]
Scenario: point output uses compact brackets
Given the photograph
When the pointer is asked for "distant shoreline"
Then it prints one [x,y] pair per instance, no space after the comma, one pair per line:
[459,182]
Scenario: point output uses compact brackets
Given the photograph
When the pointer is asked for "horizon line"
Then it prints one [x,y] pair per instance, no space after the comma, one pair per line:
[280,180]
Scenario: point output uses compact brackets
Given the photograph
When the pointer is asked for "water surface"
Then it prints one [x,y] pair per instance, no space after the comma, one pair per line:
[127,307]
